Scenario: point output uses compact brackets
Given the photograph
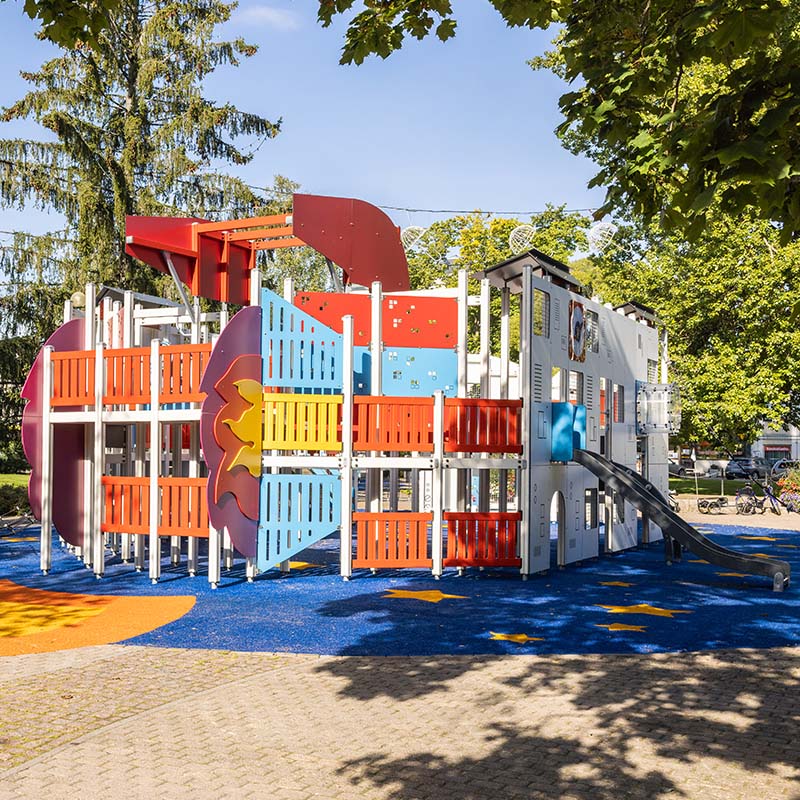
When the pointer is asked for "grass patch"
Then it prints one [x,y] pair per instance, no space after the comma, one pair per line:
[14,480]
[705,486]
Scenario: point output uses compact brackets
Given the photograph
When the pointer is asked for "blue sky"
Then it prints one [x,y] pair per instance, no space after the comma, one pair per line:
[461,125]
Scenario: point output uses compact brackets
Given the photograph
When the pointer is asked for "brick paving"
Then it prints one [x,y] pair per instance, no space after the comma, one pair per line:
[137,722]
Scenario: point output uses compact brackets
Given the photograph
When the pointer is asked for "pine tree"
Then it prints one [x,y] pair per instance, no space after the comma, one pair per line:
[133,133]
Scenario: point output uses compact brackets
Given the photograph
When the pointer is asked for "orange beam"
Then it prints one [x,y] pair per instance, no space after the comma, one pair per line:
[274,244]
[241,236]
[236,224]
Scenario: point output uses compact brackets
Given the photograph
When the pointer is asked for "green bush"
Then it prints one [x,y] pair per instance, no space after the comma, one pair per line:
[12,497]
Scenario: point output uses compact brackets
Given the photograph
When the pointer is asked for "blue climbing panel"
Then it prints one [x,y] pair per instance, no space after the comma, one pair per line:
[298,351]
[296,511]
[408,371]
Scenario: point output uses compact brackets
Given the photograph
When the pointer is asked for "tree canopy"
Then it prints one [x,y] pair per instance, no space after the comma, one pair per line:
[729,301]
[684,105]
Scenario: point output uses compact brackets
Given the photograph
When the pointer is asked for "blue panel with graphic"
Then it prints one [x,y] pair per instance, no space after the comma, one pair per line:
[568,430]
[296,511]
[409,371]
[298,351]
[362,370]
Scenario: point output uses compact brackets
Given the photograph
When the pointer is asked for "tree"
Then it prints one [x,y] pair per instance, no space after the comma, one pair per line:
[132,134]
[474,242]
[684,105]
[729,301]
[66,22]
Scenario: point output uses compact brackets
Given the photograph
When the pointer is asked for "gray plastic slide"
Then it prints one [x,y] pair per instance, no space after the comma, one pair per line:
[646,498]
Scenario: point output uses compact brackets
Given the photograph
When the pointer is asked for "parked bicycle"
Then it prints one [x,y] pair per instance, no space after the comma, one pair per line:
[748,502]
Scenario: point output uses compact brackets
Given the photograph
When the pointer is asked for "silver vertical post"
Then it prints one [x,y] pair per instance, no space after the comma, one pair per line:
[437,530]
[375,476]
[524,492]
[255,286]
[45,554]
[346,526]
[155,461]
[460,476]
[98,457]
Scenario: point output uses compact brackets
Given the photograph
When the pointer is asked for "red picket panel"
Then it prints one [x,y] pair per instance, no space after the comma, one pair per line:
[482,539]
[181,372]
[127,376]
[392,540]
[482,426]
[73,378]
[393,424]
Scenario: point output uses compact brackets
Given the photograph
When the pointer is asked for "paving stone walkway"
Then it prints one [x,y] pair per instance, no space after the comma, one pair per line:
[135,722]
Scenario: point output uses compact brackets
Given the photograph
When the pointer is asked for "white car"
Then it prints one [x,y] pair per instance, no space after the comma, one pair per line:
[780,468]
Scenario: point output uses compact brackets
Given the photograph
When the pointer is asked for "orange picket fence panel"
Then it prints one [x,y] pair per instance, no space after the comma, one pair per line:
[181,372]
[184,508]
[392,540]
[482,539]
[73,378]
[482,426]
[127,505]
[393,424]
[127,376]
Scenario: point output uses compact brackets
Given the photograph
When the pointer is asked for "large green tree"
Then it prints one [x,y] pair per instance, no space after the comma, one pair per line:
[130,132]
[684,104]
[729,302]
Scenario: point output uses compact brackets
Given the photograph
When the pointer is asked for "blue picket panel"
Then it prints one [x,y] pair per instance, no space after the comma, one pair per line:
[296,511]
[298,351]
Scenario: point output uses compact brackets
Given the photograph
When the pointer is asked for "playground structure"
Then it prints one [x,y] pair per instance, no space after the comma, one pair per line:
[149,420]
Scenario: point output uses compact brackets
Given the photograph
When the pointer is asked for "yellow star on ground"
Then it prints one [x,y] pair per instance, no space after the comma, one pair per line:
[615,583]
[644,608]
[731,575]
[758,538]
[428,596]
[698,561]
[793,546]
[762,555]
[301,565]
[619,626]
[34,539]
[520,638]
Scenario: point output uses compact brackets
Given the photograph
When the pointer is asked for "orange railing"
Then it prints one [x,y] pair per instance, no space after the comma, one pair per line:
[127,379]
[482,426]
[392,540]
[127,376]
[182,370]
[482,540]
[401,424]
[127,505]
[73,378]
[184,509]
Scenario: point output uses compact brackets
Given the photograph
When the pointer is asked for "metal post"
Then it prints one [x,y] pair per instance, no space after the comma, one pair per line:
[346,458]
[486,355]
[155,461]
[45,539]
[437,531]
[460,476]
[98,457]
[255,286]
[375,476]
[524,490]
[505,358]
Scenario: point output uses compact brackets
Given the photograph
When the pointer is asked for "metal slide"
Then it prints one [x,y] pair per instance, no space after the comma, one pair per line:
[647,499]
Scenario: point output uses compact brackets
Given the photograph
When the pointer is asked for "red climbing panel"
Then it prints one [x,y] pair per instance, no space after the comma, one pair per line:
[392,540]
[482,540]
[406,321]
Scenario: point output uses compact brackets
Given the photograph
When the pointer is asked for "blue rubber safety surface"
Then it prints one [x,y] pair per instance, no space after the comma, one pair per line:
[314,611]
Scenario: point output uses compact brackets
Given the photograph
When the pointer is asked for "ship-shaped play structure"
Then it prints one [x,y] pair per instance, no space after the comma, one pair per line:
[302,415]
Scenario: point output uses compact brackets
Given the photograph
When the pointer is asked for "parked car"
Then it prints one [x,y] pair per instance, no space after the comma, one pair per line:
[675,469]
[747,467]
[714,471]
[781,467]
